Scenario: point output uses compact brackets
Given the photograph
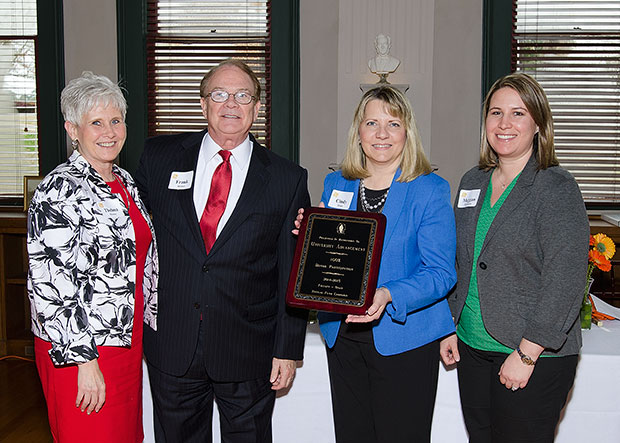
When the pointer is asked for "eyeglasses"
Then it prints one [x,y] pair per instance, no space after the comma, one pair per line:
[241,97]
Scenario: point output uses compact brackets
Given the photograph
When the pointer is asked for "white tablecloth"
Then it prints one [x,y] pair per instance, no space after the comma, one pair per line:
[592,414]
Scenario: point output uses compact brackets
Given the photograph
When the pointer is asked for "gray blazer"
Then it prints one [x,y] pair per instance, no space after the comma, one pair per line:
[532,267]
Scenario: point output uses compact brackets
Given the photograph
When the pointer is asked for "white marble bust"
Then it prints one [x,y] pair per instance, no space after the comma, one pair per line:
[383,63]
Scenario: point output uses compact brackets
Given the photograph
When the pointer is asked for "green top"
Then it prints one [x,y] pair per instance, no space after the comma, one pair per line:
[470,328]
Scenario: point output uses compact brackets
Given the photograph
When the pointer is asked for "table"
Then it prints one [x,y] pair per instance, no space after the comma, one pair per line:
[592,414]
[612,217]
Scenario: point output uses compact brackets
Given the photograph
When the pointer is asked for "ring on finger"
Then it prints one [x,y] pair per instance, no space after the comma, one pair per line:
[514,388]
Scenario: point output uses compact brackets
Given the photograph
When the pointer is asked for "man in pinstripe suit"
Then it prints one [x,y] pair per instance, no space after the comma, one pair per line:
[223,328]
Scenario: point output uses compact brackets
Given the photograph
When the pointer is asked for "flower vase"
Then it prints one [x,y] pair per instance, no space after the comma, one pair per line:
[585,314]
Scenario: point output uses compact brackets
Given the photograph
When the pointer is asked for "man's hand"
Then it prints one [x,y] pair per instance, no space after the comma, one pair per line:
[282,373]
[300,217]
[91,387]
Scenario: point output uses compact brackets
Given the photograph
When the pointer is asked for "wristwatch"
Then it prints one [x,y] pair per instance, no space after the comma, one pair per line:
[526,359]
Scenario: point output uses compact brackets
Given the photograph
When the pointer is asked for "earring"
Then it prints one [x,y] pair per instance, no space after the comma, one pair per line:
[74,143]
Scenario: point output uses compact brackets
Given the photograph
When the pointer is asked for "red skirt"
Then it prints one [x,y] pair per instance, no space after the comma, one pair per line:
[120,418]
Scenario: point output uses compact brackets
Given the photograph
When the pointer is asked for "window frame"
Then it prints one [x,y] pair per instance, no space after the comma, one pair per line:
[131,25]
[51,54]
[497,41]
[49,48]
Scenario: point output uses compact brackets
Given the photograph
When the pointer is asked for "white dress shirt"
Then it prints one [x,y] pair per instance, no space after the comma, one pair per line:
[208,161]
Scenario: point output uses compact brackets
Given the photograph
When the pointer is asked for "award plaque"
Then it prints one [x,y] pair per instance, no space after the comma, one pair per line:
[336,261]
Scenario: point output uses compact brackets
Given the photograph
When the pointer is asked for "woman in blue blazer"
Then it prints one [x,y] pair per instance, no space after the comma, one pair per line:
[383,365]
[522,252]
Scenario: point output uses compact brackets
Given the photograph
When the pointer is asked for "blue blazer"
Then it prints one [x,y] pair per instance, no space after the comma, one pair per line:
[417,263]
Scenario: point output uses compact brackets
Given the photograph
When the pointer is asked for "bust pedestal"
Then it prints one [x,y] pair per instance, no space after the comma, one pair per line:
[368,86]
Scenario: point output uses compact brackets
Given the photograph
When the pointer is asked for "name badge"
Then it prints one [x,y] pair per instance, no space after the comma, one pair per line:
[106,207]
[468,198]
[181,180]
[340,199]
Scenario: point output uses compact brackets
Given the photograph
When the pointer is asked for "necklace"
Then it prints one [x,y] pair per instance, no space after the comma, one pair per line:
[368,207]
[501,182]
[497,173]
[125,193]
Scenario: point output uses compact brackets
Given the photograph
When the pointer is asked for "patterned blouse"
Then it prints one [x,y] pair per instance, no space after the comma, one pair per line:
[82,263]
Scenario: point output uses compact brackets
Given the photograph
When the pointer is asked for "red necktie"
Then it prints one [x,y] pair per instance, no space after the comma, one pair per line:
[218,195]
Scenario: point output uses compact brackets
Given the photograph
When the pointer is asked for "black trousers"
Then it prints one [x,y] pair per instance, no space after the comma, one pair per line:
[183,406]
[496,414]
[382,398]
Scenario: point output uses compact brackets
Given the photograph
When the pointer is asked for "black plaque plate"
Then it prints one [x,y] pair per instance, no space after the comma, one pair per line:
[336,260]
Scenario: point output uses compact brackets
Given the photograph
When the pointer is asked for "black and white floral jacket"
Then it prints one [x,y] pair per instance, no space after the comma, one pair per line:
[82,270]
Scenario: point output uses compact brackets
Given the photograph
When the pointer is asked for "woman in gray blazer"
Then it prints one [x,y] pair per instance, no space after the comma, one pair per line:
[522,248]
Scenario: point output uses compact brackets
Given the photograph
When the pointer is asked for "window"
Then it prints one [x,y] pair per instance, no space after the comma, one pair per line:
[19,144]
[573,49]
[187,38]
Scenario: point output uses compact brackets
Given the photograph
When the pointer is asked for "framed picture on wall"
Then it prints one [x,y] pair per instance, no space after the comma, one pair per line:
[30,184]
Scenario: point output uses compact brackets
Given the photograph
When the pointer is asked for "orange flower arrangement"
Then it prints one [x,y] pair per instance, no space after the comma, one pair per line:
[602,249]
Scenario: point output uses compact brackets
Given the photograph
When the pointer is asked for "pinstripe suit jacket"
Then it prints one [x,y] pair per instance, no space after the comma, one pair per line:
[239,288]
